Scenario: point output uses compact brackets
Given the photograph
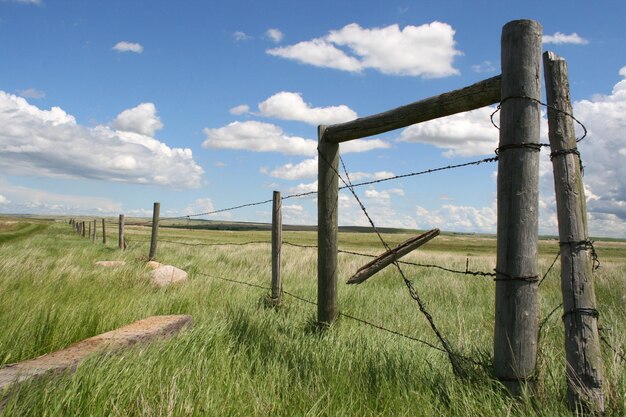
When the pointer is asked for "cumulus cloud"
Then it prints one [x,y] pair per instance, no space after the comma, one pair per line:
[304,169]
[464,134]
[457,218]
[52,143]
[561,38]
[124,46]
[141,119]
[622,72]
[275,35]
[31,93]
[425,51]
[290,106]
[603,152]
[266,137]
[240,109]
[4,200]
[257,137]
[383,195]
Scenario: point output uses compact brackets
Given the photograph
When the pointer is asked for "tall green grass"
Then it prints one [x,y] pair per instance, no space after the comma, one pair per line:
[242,358]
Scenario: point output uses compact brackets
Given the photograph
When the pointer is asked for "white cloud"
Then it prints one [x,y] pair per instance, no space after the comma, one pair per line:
[266,137]
[383,195]
[290,106]
[52,143]
[33,200]
[319,53]
[603,155]
[124,46]
[31,93]
[257,137]
[561,38]
[458,218]
[274,34]
[240,109]
[622,72]
[426,51]
[141,119]
[484,67]
[464,134]
[240,36]
[4,200]
[304,169]
[303,188]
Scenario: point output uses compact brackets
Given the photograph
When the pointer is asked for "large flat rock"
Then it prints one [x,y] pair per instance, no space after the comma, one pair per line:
[164,275]
[68,359]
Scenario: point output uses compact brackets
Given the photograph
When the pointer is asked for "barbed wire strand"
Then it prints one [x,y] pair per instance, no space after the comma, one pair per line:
[455,271]
[456,367]
[346,315]
[360,184]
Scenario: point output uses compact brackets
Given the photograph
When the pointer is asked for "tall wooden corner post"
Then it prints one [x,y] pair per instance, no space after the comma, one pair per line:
[327,224]
[582,342]
[516,313]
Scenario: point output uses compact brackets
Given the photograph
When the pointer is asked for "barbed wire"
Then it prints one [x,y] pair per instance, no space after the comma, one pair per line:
[360,184]
[342,314]
[456,271]
[456,366]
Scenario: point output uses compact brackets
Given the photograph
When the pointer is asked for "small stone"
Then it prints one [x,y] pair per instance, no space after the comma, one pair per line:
[110,264]
[166,275]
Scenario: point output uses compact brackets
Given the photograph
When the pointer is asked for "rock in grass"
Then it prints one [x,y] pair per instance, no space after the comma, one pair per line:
[110,264]
[164,275]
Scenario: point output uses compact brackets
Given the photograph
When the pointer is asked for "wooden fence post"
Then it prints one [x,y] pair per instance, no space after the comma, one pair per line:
[155,231]
[104,233]
[83,229]
[584,367]
[277,243]
[122,246]
[516,309]
[89,234]
[327,224]
[95,229]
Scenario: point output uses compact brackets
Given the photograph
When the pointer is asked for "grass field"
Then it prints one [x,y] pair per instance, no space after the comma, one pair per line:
[242,358]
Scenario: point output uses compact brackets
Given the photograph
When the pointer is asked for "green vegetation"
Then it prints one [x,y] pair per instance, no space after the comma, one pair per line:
[13,229]
[242,358]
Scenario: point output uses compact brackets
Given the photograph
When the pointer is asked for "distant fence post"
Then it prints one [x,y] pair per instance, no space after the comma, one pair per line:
[327,221]
[584,366]
[516,310]
[122,246]
[104,232]
[277,242]
[155,231]
[83,229]
[95,229]
[89,236]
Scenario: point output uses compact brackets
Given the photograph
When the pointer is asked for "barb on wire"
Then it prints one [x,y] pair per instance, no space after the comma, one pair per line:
[456,365]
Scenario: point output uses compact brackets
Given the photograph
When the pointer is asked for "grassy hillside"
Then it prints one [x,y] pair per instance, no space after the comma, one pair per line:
[242,358]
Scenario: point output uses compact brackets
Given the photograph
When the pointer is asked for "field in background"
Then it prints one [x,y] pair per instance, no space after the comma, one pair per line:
[243,358]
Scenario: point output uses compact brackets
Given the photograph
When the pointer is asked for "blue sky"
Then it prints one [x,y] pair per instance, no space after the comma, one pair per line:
[106,107]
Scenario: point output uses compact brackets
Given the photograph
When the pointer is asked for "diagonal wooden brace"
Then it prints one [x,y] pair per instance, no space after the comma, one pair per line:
[390,256]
